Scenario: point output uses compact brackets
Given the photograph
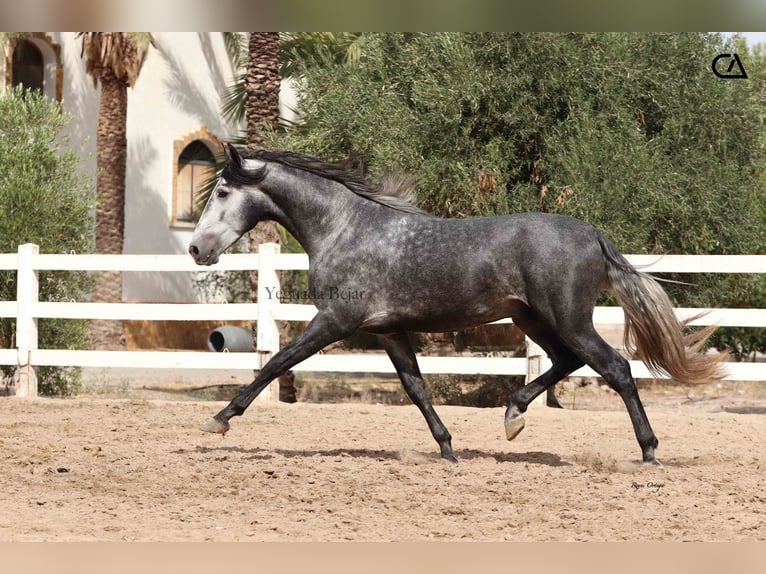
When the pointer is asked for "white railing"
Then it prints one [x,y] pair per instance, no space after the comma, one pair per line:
[27,309]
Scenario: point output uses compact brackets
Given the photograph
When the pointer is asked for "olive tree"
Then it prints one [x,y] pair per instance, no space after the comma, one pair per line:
[44,199]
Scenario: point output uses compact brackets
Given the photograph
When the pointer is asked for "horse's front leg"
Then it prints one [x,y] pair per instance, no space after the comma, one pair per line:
[402,355]
[319,333]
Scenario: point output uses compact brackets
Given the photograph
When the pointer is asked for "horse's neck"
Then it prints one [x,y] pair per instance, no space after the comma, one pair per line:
[316,216]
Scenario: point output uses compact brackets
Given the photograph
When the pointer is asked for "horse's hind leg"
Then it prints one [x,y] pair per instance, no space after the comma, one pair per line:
[402,355]
[564,362]
[517,406]
[615,369]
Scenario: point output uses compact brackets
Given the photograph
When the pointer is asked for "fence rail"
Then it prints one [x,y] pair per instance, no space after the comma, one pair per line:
[26,310]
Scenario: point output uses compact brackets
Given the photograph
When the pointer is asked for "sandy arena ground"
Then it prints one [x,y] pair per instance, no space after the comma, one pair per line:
[115,469]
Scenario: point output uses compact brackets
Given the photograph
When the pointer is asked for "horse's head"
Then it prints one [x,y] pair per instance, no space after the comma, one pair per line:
[234,207]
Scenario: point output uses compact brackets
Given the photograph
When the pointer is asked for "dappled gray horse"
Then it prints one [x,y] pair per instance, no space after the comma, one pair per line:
[415,272]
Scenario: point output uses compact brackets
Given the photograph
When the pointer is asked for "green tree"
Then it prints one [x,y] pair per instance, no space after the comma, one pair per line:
[493,123]
[750,292]
[44,199]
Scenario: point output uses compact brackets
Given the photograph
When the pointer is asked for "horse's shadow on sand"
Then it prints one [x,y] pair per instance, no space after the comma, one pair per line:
[257,453]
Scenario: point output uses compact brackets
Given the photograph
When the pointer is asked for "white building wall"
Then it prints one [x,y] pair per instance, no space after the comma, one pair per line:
[79,99]
[179,92]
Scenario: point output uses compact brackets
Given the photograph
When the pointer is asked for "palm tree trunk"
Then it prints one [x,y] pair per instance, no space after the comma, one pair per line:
[262,113]
[262,86]
[262,107]
[111,158]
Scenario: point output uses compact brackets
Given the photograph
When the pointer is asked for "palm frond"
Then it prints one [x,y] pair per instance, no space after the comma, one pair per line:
[121,53]
[300,51]
[236,48]
[234,99]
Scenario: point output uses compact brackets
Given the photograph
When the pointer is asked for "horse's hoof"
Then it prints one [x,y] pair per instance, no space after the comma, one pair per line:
[216,426]
[513,427]
[649,458]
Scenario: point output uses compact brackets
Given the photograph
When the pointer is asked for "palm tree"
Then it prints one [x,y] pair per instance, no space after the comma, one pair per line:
[262,81]
[113,59]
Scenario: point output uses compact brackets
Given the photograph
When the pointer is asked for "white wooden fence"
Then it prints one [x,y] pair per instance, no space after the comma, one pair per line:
[27,309]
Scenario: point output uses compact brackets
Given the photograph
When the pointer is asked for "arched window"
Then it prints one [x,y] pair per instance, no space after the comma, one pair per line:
[196,165]
[28,66]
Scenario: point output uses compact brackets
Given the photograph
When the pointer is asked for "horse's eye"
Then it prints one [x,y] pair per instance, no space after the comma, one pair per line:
[222,193]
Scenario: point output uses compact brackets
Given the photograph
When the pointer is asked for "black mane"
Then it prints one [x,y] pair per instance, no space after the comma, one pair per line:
[391,193]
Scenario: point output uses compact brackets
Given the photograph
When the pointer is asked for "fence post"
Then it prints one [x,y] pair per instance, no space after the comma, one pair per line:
[537,363]
[27,294]
[267,333]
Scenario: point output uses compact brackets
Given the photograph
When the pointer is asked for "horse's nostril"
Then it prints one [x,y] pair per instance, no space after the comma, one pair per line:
[193,250]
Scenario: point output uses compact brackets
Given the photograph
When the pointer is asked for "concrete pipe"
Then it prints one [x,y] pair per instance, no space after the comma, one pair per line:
[230,339]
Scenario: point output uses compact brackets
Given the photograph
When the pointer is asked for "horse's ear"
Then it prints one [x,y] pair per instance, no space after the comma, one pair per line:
[232,155]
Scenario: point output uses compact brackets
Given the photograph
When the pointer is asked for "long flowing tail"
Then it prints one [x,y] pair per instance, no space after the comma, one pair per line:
[653,333]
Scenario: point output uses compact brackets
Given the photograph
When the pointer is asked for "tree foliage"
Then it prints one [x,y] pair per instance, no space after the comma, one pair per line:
[119,54]
[630,132]
[44,199]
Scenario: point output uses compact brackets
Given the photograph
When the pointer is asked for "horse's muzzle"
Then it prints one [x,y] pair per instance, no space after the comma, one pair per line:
[208,258]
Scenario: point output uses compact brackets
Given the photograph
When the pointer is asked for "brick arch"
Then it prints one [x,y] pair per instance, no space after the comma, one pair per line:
[214,144]
[53,72]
